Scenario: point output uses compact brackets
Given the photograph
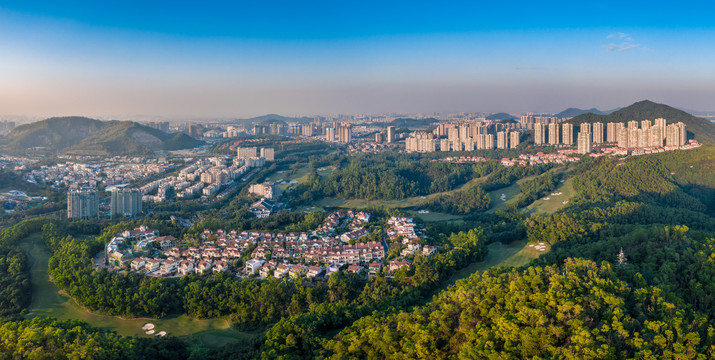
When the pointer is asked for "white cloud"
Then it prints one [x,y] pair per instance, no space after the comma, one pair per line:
[622,42]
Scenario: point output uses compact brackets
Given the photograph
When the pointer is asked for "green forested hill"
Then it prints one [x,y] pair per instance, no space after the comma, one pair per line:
[571,112]
[578,310]
[412,123]
[55,133]
[699,128]
[500,116]
[675,179]
[89,136]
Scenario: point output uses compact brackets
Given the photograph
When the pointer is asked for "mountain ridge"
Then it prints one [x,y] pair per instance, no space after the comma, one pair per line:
[269,118]
[573,112]
[500,116]
[701,129]
[83,135]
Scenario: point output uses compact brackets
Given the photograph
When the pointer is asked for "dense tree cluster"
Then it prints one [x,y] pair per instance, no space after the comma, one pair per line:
[309,190]
[393,177]
[15,287]
[47,338]
[462,202]
[533,189]
[641,179]
[504,176]
[579,310]
[677,260]
[557,227]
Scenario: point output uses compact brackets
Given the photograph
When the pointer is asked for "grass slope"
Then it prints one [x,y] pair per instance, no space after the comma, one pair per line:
[515,254]
[511,192]
[555,202]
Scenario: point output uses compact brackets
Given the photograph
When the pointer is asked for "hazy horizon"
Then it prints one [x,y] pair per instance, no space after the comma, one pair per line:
[174,60]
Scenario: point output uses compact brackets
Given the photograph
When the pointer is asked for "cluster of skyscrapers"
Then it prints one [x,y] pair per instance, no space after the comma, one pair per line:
[252,154]
[343,133]
[421,141]
[529,121]
[266,190]
[651,135]
[389,135]
[463,137]
[270,129]
[196,130]
[83,203]
[126,202]
[553,134]
[333,131]
[634,134]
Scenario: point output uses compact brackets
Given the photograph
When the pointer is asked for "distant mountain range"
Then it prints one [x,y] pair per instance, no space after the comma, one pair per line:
[81,135]
[500,116]
[701,129]
[270,118]
[412,123]
[571,112]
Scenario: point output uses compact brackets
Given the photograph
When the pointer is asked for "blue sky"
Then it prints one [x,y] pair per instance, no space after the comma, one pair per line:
[229,59]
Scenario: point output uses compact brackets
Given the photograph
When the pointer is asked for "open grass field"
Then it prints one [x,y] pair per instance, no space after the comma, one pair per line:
[555,202]
[47,300]
[286,176]
[324,172]
[299,175]
[511,192]
[516,253]
[542,206]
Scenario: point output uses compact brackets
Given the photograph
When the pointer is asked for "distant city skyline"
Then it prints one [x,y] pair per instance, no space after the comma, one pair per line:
[174,59]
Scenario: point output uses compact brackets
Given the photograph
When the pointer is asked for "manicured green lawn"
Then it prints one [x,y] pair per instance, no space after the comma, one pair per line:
[48,301]
[516,254]
[325,171]
[287,176]
[510,191]
[300,175]
[555,202]
[523,256]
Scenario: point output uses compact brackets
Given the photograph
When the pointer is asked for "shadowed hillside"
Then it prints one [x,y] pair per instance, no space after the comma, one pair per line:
[82,135]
